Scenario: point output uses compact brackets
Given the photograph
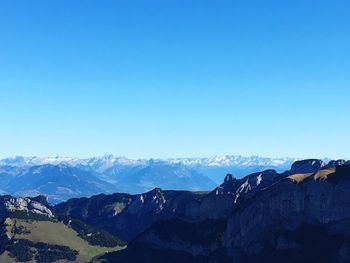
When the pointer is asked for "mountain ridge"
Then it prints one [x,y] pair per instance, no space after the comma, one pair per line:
[106,174]
[266,216]
[235,202]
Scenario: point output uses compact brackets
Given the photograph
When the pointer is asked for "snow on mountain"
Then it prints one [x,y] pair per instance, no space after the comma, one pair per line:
[233,160]
[66,177]
[34,160]
[105,162]
[102,164]
[112,169]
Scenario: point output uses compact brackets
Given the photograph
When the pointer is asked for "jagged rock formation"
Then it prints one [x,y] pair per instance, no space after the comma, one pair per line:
[10,204]
[301,215]
[127,215]
[300,202]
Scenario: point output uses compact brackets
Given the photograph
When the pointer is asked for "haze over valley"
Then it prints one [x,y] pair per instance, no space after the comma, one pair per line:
[61,178]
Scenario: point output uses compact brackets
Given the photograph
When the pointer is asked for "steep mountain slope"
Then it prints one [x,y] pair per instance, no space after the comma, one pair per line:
[173,241]
[301,215]
[127,215]
[311,203]
[31,232]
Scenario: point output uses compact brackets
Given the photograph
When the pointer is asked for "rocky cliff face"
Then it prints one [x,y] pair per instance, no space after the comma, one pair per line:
[259,223]
[36,205]
[127,215]
[301,215]
[23,207]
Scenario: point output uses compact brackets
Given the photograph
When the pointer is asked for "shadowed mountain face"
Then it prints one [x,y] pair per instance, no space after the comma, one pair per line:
[302,218]
[264,217]
[127,215]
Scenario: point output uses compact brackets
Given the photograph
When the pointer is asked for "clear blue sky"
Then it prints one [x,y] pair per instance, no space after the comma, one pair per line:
[175,78]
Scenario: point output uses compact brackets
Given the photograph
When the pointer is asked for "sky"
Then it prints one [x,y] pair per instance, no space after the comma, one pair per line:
[157,79]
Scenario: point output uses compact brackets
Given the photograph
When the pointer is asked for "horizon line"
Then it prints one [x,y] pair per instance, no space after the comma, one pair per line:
[166,158]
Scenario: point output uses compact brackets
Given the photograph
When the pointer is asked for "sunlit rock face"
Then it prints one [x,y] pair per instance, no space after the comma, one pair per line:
[11,204]
[321,199]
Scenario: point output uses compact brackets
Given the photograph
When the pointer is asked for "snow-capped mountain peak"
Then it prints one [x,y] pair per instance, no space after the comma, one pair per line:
[108,161]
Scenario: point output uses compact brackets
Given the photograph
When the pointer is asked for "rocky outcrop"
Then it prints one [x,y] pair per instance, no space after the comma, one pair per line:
[128,215]
[335,163]
[307,166]
[10,204]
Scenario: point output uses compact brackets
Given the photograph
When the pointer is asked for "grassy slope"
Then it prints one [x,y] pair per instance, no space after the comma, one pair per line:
[4,258]
[60,234]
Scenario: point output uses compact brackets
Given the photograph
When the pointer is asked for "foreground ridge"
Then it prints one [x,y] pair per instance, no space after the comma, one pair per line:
[31,232]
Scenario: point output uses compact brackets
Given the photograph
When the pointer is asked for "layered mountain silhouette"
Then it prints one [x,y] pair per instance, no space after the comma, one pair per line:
[300,215]
[61,178]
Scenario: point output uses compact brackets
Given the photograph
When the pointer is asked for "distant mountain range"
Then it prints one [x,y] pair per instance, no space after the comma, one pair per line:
[102,164]
[61,178]
[299,215]
[109,164]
